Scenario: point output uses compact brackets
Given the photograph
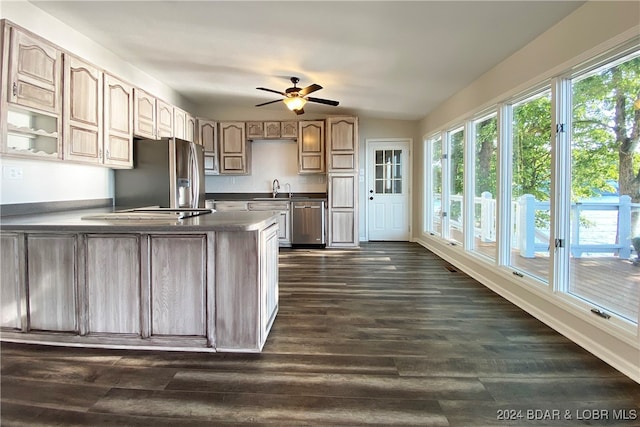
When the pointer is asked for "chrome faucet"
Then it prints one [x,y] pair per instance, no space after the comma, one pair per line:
[275,187]
[287,188]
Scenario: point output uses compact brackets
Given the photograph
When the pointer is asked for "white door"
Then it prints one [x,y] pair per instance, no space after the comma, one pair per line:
[387,193]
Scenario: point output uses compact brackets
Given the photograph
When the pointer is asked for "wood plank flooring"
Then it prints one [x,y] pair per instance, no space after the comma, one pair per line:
[386,334]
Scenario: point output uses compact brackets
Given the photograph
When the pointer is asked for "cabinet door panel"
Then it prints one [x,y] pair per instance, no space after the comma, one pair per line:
[51,264]
[178,284]
[144,114]
[35,73]
[342,191]
[272,129]
[82,114]
[113,283]
[11,280]
[342,227]
[118,122]
[311,147]
[165,119]
[289,129]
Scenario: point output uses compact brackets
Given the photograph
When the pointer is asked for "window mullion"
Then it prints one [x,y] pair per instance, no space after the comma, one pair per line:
[503,196]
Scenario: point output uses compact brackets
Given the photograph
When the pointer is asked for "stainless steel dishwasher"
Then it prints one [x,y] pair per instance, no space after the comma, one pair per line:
[307,223]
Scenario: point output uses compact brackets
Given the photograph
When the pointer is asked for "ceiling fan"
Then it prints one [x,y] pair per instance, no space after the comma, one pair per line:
[295,97]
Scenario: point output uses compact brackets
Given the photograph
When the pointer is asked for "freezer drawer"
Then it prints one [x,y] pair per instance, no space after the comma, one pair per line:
[307,223]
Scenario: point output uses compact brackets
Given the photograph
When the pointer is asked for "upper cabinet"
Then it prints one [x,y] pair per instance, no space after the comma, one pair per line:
[272,130]
[118,123]
[311,147]
[255,130]
[235,156]
[289,129]
[34,72]
[191,131]
[31,95]
[164,113]
[179,123]
[82,111]
[208,138]
[144,114]
[342,144]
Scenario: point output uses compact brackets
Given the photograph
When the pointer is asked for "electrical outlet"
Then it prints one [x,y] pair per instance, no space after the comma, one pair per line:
[13,172]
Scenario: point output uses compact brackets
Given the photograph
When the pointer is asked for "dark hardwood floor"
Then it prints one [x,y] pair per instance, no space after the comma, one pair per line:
[386,334]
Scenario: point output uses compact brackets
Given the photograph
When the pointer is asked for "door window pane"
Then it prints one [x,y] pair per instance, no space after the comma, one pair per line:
[530,189]
[485,185]
[605,204]
[456,184]
[388,172]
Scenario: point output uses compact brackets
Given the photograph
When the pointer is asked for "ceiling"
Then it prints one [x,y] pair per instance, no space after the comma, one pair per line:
[386,59]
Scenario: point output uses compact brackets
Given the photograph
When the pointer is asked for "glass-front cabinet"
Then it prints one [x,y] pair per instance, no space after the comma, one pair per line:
[31,100]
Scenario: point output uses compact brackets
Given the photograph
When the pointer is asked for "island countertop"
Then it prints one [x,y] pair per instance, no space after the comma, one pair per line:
[72,221]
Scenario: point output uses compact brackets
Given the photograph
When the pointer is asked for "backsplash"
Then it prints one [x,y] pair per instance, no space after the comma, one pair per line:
[269,160]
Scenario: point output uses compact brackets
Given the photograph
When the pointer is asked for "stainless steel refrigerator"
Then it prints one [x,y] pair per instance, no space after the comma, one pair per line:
[168,173]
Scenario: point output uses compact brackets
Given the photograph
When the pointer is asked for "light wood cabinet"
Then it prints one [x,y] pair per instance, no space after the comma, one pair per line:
[311,147]
[272,130]
[112,293]
[52,291]
[191,131]
[118,123]
[165,119]
[178,284]
[208,138]
[255,130]
[289,129]
[35,72]
[342,144]
[82,111]
[12,281]
[144,114]
[284,219]
[342,210]
[247,304]
[179,123]
[235,155]
[31,95]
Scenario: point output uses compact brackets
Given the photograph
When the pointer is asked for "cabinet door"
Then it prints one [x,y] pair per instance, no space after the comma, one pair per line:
[343,210]
[179,123]
[113,283]
[342,144]
[208,138]
[35,73]
[289,129]
[12,283]
[272,129]
[234,154]
[165,119]
[178,283]
[268,280]
[82,112]
[191,133]
[311,147]
[51,262]
[118,123]
[255,130]
[144,114]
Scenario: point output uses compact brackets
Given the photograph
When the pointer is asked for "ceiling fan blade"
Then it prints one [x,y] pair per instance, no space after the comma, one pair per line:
[267,103]
[299,111]
[323,101]
[309,89]
[271,90]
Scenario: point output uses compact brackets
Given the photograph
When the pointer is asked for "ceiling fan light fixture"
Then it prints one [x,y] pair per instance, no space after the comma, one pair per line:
[295,102]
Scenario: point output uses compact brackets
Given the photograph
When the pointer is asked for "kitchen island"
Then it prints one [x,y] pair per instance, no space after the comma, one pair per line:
[205,283]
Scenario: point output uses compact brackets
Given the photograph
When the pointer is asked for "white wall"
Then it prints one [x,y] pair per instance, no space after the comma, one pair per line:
[25,181]
[592,29]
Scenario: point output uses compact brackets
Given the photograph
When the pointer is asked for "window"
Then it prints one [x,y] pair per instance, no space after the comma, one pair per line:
[485,185]
[531,185]
[455,185]
[605,191]
[433,220]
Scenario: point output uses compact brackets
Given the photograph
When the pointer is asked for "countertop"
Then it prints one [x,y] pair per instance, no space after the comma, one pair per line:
[71,221]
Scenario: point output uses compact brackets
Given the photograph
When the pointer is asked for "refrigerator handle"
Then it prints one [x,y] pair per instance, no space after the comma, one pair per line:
[195,178]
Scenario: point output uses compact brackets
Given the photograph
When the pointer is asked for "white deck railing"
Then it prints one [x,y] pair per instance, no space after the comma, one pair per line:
[614,237]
